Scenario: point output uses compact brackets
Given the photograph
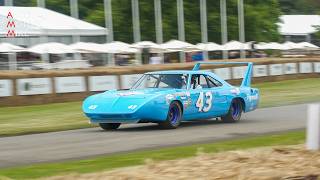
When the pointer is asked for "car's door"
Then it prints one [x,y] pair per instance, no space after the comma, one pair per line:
[202,98]
[220,104]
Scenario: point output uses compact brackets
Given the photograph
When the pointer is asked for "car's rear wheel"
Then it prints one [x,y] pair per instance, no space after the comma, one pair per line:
[234,113]
[109,126]
[174,116]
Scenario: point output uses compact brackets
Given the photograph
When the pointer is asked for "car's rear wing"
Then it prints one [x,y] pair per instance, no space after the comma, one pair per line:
[246,82]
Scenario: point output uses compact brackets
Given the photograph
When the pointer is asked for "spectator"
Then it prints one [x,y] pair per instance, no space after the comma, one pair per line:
[198,56]
[155,59]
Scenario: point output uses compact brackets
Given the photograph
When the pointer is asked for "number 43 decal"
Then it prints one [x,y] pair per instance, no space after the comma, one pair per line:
[207,106]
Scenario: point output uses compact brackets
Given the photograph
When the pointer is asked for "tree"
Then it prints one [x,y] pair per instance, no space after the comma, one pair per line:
[308,7]
[260,18]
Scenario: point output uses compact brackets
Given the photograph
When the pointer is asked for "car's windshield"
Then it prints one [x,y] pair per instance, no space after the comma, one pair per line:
[176,81]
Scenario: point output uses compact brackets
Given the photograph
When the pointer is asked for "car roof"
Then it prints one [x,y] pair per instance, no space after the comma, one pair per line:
[207,72]
[177,72]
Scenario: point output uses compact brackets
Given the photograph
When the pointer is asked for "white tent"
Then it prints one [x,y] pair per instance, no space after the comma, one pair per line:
[303,45]
[285,46]
[291,45]
[298,24]
[260,45]
[175,45]
[36,21]
[119,47]
[307,45]
[9,48]
[210,46]
[146,44]
[86,47]
[236,45]
[271,46]
[154,48]
[51,48]
[113,47]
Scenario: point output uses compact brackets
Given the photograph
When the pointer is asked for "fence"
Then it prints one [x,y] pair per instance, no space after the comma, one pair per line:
[39,87]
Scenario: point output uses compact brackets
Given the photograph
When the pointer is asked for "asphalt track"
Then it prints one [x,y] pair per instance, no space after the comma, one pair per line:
[77,144]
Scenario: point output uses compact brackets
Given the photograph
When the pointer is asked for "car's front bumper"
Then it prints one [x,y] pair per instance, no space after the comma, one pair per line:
[112,118]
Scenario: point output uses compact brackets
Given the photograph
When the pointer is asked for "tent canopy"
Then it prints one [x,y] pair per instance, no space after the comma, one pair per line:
[154,48]
[37,21]
[176,45]
[285,46]
[308,45]
[271,46]
[119,47]
[112,47]
[8,48]
[291,45]
[236,45]
[87,47]
[146,44]
[210,46]
[51,48]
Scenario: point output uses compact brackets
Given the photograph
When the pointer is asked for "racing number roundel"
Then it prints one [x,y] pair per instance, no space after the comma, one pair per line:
[200,102]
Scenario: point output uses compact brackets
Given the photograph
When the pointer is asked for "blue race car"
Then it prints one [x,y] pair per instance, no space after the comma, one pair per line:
[169,97]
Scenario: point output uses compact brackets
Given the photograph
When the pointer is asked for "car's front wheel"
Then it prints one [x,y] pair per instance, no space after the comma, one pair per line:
[174,116]
[109,126]
[234,113]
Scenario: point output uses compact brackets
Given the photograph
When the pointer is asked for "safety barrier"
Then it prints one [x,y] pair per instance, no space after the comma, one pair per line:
[39,87]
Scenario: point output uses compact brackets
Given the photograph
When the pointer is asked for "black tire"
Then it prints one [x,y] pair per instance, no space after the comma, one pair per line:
[234,113]
[109,126]
[174,116]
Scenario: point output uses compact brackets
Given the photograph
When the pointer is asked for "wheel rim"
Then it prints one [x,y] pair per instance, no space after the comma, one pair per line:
[236,111]
[174,114]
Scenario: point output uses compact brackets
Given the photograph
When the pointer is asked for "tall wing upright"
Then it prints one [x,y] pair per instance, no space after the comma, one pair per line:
[246,82]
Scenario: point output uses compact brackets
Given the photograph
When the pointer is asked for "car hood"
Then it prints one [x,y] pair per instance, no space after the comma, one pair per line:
[123,101]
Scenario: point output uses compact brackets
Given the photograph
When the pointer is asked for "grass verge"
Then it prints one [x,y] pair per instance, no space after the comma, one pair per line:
[65,116]
[289,92]
[137,158]
[41,118]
